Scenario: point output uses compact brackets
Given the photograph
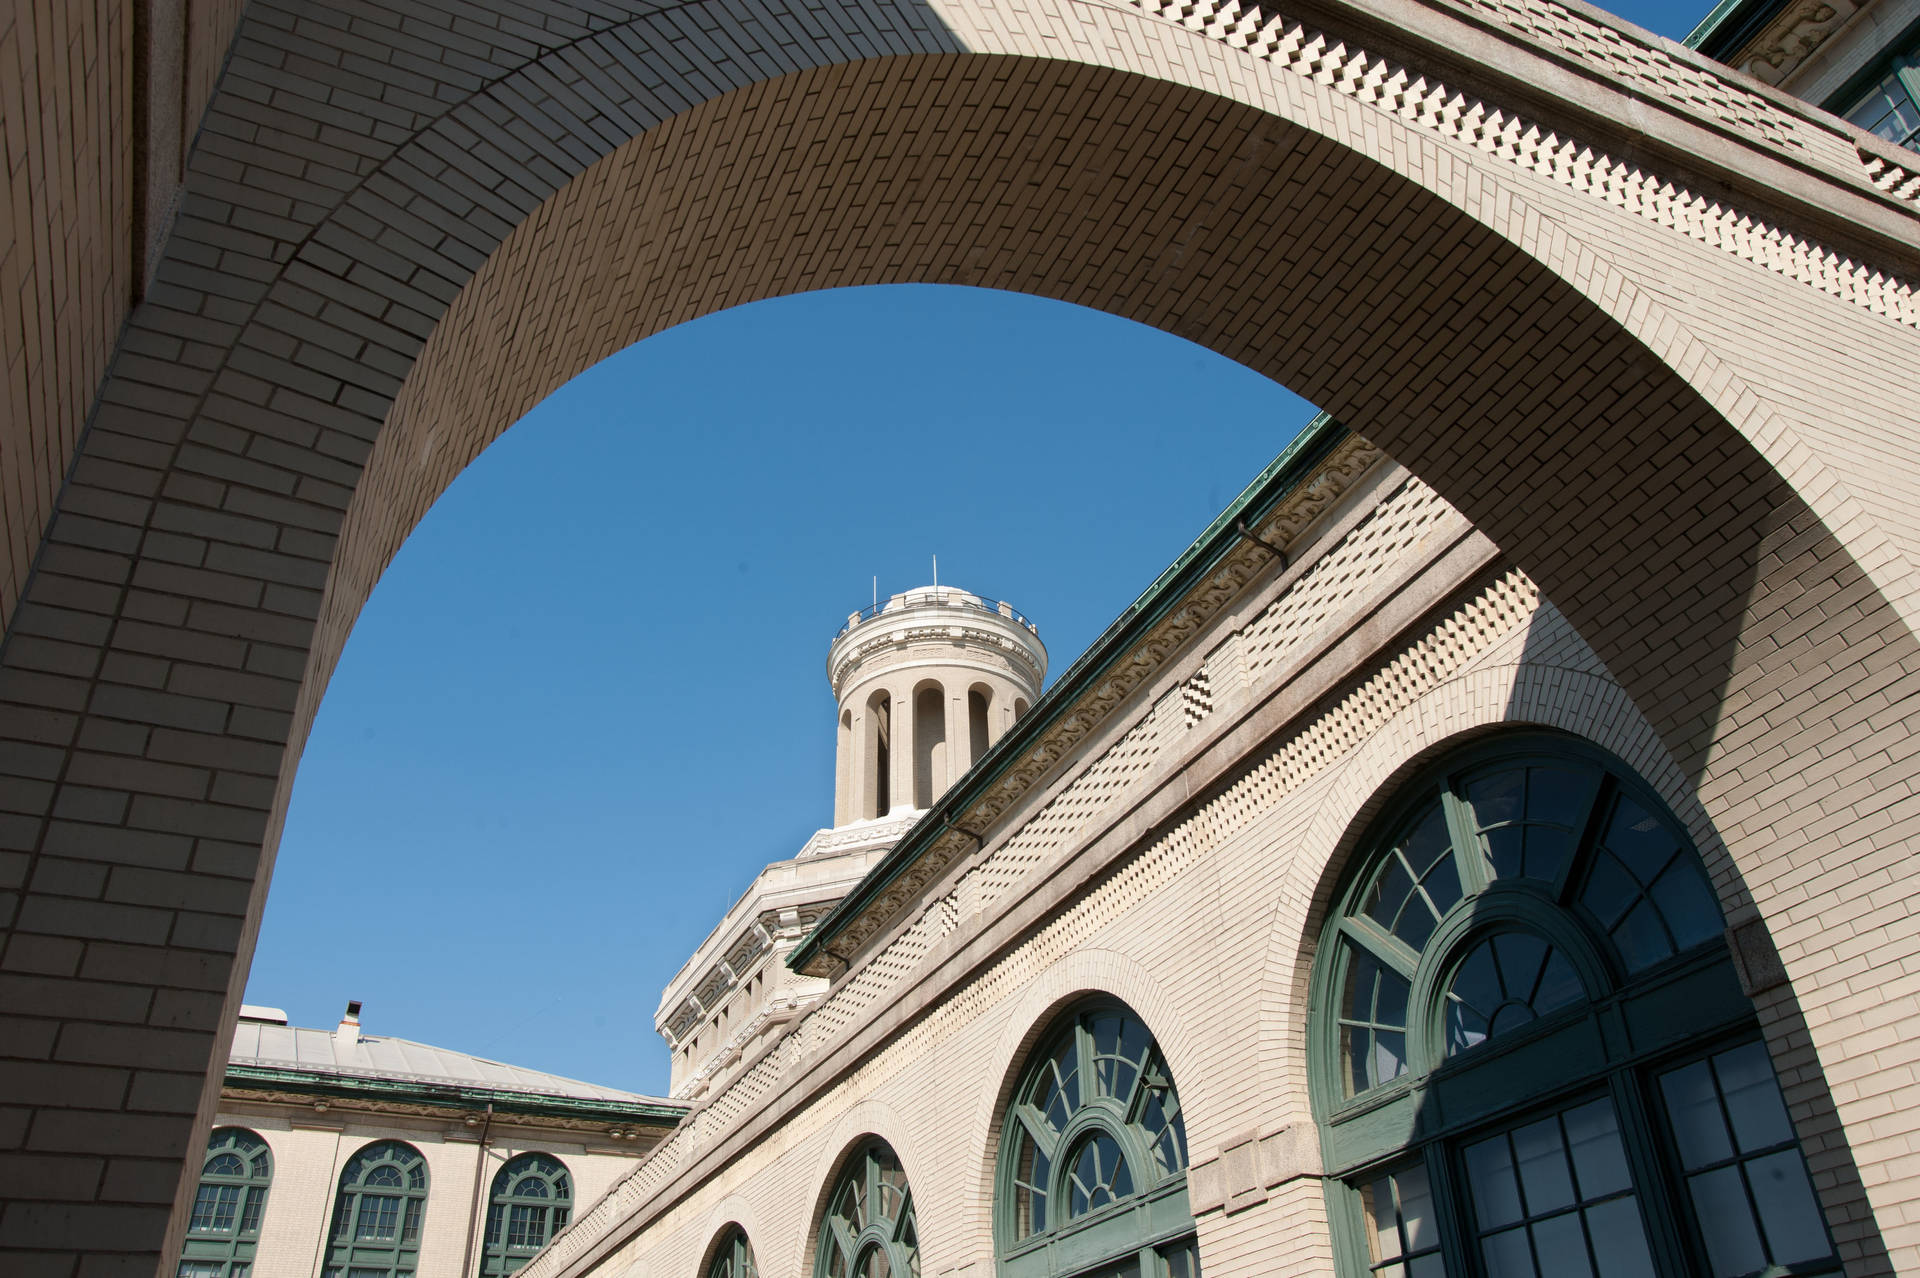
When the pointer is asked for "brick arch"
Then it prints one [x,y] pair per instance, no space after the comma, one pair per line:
[1555,285]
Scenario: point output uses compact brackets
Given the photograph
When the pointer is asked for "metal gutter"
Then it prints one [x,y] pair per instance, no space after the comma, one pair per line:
[450,1095]
[1280,477]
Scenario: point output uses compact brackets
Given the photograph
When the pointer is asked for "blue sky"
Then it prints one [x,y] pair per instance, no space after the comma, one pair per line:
[587,702]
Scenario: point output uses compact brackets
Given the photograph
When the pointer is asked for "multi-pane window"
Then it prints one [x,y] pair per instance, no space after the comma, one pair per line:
[378,1213]
[531,1201]
[1531,1054]
[733,1258]
[1891,108]
[869,1230]
[1093,1161]
[223,1225]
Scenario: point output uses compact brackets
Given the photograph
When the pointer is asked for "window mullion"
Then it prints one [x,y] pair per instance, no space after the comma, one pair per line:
[1467,856]
[1655,1190]
[1382,944]
[1586,839]
[1043,1136]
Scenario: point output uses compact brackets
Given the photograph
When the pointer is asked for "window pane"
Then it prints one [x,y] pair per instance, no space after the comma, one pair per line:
[1753,1201]
[1398,1208]
[1544,1194]
[1794,1229]
[1888,111]
[1504,983]
[1726,1222]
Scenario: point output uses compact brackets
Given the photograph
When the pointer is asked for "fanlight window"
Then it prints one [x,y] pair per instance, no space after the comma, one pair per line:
[733,1258]
[223,1228]
[1526,972]
[1094,1150]
[531,1200]
[378,1213]
[869,1230]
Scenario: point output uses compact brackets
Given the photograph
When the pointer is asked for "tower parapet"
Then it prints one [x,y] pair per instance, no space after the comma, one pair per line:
[925,682]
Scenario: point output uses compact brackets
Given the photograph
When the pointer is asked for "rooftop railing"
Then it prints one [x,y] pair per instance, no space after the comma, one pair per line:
[938,597]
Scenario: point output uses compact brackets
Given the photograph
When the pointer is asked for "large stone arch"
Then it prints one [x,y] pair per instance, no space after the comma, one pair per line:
[381,261]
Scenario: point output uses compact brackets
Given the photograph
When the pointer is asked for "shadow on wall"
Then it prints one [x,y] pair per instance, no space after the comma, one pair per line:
[1551,644]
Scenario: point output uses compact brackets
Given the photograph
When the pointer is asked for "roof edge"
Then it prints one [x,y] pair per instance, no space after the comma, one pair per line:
[1277,479]
[452,1095]
[1729,26]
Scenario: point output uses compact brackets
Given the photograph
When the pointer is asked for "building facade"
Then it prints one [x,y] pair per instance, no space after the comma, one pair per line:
[1337,912]
[340,1154]
[923,686]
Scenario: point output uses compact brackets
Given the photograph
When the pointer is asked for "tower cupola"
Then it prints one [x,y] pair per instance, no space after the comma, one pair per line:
[925,683]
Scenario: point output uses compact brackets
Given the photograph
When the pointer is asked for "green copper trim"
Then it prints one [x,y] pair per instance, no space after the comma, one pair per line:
[1281,476]
[451,1095]
[1731,24]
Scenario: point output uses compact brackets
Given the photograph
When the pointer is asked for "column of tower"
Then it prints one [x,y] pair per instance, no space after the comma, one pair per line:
[925,683]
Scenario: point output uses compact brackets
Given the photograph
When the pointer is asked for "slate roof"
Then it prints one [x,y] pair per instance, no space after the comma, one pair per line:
[377,1056]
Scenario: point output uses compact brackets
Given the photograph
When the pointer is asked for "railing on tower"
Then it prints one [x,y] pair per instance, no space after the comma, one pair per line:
[938,597]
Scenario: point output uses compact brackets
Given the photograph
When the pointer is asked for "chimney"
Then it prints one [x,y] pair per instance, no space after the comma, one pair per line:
[349,1032]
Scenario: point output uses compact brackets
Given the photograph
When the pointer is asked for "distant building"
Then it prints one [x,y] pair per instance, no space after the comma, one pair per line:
[1853,57]
[342,1154]
[924,684]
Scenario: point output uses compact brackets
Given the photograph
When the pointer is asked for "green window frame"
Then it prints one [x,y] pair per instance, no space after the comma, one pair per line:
[223,1227]
[379,1213]
[1888,107]
[869,1230]
[1092,1169]
[531,1201]
[1529,1050]
[733,1257]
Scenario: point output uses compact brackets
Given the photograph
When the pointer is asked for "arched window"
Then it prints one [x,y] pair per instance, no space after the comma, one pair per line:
[929,744]
[733,1258]
[377,1213]
[877,760]
[979,721]
[224,1228]
[1093,1158]
[869,1230]
[532,1199]
[1532,1055]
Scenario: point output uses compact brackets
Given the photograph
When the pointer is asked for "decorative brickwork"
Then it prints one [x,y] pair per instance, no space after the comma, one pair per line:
[1678,395]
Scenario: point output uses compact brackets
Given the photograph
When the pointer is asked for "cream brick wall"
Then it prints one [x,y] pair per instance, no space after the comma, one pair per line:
[1206,926]
[310,1151]
[1649,326]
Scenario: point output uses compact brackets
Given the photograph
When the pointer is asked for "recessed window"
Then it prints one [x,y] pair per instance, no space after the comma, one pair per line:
[1093,1163]
[223,1225]
[869,1230]
[733,1258]
[530,1202]
[378,1212]
[1531,1053]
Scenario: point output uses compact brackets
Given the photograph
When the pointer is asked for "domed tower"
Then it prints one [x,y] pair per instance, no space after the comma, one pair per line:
[925,683]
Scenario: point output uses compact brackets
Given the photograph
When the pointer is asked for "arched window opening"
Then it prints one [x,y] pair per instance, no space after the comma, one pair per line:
[1528,1041]
[1093,1157]
[377,1213]
[733,1258]
[979,722]
[877,783]
[1019,708]
[929,744]
[531,1201]
[223,1229]
[869,1230]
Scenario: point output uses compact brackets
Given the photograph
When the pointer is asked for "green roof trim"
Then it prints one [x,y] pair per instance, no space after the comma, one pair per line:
[450,1095]
[1281,476]
[1730,25]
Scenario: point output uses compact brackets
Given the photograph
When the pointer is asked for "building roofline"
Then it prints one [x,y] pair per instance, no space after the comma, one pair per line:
[451,1095]
[1295,464]
[1730,25]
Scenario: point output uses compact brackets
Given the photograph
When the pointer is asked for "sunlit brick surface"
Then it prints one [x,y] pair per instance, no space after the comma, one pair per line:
[1649,327]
